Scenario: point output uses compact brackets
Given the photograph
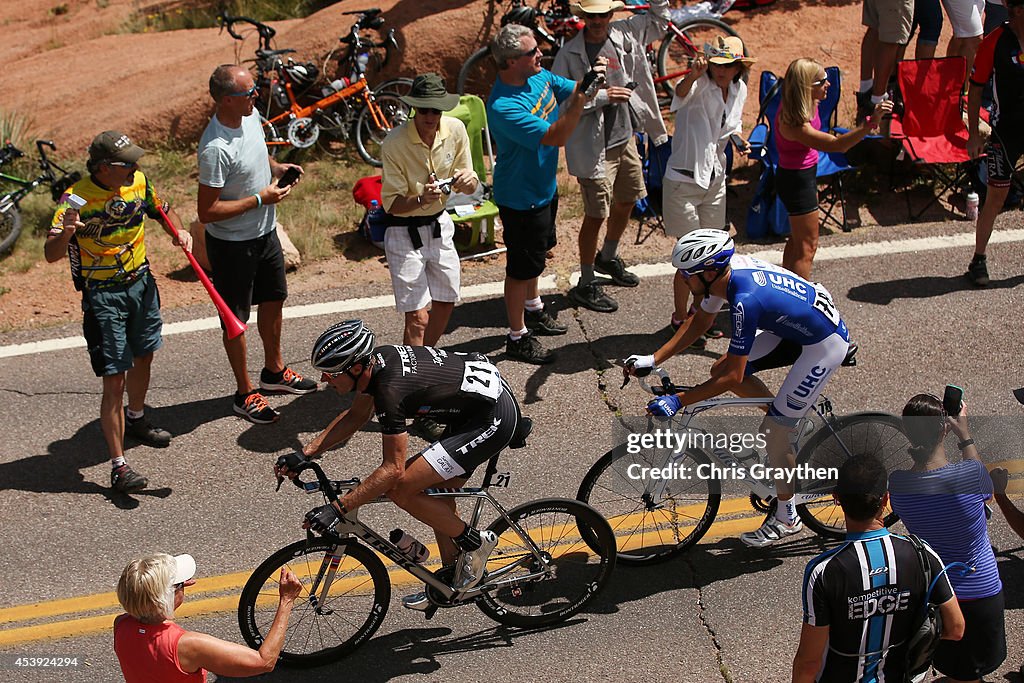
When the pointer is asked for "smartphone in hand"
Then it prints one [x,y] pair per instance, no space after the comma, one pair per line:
[953,400]
[738,141]
[289,177]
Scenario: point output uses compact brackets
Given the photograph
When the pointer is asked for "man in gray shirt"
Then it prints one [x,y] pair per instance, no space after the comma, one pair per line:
[238,188]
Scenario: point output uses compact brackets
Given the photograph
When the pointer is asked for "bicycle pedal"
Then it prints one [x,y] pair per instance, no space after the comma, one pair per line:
[430,612]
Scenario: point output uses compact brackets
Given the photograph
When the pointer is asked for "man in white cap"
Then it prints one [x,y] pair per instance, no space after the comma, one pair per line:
[601,153]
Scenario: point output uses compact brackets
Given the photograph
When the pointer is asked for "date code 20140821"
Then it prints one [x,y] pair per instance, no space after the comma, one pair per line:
[38,662]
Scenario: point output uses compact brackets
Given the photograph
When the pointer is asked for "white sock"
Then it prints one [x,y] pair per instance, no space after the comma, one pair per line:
[785,512]
[534,304]
[867,85]
[117,462]
[132,415]
[517,335]
[875,99]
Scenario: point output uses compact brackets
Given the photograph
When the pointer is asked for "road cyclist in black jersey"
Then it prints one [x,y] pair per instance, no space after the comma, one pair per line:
[464,392]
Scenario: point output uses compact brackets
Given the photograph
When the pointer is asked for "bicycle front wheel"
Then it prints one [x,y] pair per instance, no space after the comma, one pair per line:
[345,594]
[477,75]
[876,434]
[569,573]
[653,519]
[10,225]
[372,127]
[675,52]
[395,86]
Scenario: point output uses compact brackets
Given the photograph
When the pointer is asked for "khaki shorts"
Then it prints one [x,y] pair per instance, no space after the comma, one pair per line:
[687,206]
[623,181]
[892,19]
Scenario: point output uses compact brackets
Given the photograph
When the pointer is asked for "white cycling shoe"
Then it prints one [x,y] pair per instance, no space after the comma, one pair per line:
[472,563]
[771,531]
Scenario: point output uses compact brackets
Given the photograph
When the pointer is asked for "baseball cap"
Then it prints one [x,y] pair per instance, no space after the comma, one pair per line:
[112,145]
[184,568]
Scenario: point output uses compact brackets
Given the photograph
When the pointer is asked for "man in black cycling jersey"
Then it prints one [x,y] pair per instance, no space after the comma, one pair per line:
[863,599]
[399,383]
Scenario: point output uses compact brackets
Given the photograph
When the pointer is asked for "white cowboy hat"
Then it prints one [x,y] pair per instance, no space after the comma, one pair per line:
[596,6]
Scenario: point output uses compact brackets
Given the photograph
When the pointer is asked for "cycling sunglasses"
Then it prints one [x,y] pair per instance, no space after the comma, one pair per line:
[122,164]
[248,93]
[820,82]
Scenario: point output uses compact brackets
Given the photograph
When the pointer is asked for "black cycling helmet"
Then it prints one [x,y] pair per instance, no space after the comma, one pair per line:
[341,346]
[524,16]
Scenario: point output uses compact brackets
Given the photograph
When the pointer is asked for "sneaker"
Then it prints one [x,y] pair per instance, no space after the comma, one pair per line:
[472,563]
[416,601]
[771,531]
[543,323]
[616,270]
[288,381]
[426,429]
[254,408]
[864,107]
[528,349]
[126,480]
[593,297]
[145,432]
[977,273]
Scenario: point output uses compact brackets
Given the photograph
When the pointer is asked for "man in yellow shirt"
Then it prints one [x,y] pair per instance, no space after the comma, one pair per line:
[425,159]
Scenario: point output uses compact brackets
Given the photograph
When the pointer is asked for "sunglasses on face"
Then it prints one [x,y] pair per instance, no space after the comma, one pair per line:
[179,586]
[248,93]
[529,53]
[429,112]
[820,82]
[121,164]
[335,375]
[597,15]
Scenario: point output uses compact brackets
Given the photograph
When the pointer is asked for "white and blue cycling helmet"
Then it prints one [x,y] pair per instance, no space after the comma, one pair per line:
[701,250]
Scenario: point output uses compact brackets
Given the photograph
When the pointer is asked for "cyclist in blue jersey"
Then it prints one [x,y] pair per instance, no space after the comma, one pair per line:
[778,319]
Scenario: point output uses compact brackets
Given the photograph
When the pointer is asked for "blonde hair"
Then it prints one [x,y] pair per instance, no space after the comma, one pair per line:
[146,589]
[797,103]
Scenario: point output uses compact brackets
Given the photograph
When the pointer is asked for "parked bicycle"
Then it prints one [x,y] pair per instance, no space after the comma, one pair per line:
[553,24]
[299,109]
[10,203]
[541,572]
[657,518]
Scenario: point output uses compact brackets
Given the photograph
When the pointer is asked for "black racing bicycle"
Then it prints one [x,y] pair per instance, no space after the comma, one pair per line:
[554,555]
[53,175]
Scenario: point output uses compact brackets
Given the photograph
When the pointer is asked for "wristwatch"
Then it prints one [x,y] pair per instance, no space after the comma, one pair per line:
[965,443]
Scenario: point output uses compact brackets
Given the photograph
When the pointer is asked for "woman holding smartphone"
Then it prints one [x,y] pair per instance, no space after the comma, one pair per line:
[798,139]
[708,104]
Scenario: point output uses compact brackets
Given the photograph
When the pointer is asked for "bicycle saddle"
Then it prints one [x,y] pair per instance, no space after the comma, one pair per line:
[261,54]
[523,430]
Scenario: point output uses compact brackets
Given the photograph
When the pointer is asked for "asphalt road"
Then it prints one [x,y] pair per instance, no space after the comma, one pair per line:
[722,612]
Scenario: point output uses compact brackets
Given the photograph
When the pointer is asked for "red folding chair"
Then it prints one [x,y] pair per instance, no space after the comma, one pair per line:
[932,127]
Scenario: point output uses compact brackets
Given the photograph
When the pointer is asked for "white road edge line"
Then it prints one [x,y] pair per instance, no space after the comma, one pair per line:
[547,283]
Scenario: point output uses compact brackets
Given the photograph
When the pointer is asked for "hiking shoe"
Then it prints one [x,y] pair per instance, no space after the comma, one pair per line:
[416,601]
[593,297]
[771,531]
[977,273]
[543,323]
[126,480]
[616,270]
[426,429]
[472,563]
[288,381]
[254,408]
[145,432]
[528,349]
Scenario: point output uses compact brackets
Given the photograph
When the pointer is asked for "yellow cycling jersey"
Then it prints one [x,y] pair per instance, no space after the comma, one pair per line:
[110,249]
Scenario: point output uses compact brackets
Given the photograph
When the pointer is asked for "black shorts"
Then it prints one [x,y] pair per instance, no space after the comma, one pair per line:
[1004,148]
[528,236]
[798,190]
[983,647]
[247,272]
[476,441]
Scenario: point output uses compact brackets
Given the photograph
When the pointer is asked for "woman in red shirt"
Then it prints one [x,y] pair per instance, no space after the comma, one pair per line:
[153,649]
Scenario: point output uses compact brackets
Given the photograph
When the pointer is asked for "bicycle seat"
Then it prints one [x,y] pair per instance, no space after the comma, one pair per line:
[522,432]
[263,54]
[851,356]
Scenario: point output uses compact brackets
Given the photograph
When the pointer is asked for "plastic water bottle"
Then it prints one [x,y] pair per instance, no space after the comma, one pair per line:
[972,206]
[885,125]
[376,221]
[413,549]
[362,59]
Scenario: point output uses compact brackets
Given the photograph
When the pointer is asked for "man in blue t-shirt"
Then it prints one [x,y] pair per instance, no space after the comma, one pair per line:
[522,115]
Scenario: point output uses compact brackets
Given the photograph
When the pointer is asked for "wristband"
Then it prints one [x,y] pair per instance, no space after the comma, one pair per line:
[344,510]
[259,200]
[867,120]
[965,443]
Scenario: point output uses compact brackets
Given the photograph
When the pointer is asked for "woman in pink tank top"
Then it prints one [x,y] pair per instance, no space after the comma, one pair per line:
[153,649]
[798,139]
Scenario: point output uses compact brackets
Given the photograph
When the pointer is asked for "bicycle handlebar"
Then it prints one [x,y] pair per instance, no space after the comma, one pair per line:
[297,463]
[265,32]
[665,387]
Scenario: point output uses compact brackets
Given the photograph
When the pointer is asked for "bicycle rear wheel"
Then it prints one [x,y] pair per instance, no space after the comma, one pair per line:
[10,225]
[651,526]
[369,134]
[323,627]
[877,434]
[676,51]
[579,569]
[395,86]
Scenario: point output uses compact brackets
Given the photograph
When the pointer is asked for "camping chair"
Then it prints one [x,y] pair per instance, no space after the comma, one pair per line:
[481,217]
[832,165]
[648,210]
[932,128]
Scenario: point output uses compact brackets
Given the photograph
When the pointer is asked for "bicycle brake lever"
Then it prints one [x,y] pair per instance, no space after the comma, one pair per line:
[280,480]
[625,381]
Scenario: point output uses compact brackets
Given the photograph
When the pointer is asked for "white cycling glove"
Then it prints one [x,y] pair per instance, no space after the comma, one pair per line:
[641,365]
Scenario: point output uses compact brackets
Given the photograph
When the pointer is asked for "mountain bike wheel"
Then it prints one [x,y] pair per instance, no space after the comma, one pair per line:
[675,53]
[879,434]
[580,569]
[648,529]
[395,86]
[275,140]
[369,135]
[322,628]
[477,74]
[10,225]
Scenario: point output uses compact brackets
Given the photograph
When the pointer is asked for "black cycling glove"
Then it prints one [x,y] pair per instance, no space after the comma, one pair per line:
[323,519]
